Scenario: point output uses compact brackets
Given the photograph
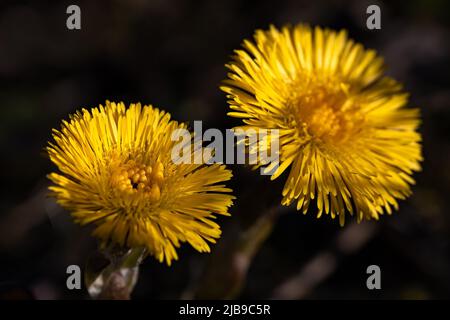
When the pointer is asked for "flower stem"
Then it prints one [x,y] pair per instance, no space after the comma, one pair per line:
[117,279]
[226,273]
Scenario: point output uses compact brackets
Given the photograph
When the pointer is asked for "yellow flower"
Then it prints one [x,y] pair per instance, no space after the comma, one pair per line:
[116,172]
[350,142]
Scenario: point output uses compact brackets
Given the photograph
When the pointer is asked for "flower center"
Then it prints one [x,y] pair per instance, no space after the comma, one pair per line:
[325,112]
[133,178]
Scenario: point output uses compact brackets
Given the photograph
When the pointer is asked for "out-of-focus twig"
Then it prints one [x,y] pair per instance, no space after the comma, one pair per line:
[321,266]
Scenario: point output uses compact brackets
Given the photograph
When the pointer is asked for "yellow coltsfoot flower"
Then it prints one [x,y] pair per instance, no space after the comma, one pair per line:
[116,172]
[345,131]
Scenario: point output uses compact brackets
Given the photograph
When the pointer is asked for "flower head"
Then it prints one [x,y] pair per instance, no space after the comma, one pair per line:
[350,142]
[116,172]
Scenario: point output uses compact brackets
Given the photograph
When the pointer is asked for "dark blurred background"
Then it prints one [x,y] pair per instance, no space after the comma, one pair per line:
[171,54]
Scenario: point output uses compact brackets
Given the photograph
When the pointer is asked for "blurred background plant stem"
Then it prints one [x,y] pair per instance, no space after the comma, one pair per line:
[225,274]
